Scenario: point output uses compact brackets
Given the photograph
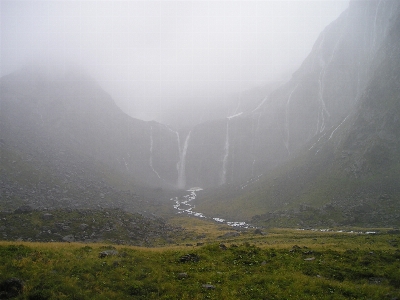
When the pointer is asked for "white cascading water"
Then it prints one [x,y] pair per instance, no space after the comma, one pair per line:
[323,112]
[375,35]
[151,152]
[182,163]
[226,155]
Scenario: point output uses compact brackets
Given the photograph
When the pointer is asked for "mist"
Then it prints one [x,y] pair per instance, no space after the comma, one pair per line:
[158,56]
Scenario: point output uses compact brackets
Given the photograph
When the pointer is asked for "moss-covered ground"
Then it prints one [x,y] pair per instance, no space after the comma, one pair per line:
[280,264]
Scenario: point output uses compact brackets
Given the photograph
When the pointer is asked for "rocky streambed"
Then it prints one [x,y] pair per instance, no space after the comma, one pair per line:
[185,205]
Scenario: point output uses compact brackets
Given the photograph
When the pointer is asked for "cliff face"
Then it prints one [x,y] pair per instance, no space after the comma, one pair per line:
[72,112]
[320,95]
[347,174]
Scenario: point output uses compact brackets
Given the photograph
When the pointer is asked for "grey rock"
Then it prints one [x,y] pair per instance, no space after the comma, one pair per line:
[69,238]
[208,286]
[309,259]
[107,253]
[83,226]
[182,275]
[191,257]
[47,216]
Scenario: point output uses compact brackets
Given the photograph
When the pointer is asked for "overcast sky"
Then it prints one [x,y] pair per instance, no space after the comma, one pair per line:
[149,54]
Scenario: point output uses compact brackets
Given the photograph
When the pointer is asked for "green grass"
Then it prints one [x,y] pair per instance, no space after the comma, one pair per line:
[272,266]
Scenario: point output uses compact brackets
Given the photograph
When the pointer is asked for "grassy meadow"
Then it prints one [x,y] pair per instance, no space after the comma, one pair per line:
[278,264]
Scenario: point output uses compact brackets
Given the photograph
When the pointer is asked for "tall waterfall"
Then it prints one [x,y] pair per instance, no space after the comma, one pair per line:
[226,151]
[151,152]
[182,163]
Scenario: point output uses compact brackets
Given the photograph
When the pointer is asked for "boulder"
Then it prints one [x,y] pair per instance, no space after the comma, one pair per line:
[47,216]
[107,253]
[208,286]
[69,238]
[191,257]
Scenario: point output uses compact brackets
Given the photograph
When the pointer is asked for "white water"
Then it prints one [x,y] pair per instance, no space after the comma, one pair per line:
[235,115]
[226,155]
[323,112]
[151,152]
[250,181]
[182,163]
[185,205]
[375,32]
[317,141]
[237,107]
[337,127]
[261,104]
[126,164]
[179,150]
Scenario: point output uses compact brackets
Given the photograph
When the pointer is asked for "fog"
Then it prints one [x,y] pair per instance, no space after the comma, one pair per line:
[154,56]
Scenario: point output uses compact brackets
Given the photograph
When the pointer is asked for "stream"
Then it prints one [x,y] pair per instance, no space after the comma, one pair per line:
[185,205]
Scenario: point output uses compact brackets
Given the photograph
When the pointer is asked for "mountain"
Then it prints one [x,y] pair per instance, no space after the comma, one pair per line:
[317,98]
[347,173]
[256,133]
[200,109]
[64,143]
[68,110]
[328,136]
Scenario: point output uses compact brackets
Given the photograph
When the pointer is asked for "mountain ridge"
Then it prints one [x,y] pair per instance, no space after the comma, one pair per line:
[280,147]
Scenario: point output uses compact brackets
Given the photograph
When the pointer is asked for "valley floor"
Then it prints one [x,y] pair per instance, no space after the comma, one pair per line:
[279,264]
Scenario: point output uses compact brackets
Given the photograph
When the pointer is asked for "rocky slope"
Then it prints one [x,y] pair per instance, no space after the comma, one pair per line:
[86,225]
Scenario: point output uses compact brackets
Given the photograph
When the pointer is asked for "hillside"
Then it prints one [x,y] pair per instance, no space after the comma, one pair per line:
[346,174]
[281,265]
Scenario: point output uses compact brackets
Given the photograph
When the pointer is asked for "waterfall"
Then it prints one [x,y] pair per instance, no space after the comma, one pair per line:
[151,152]
[375,34]
[225,159]
[179,150]
[323,111]
[182,163]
